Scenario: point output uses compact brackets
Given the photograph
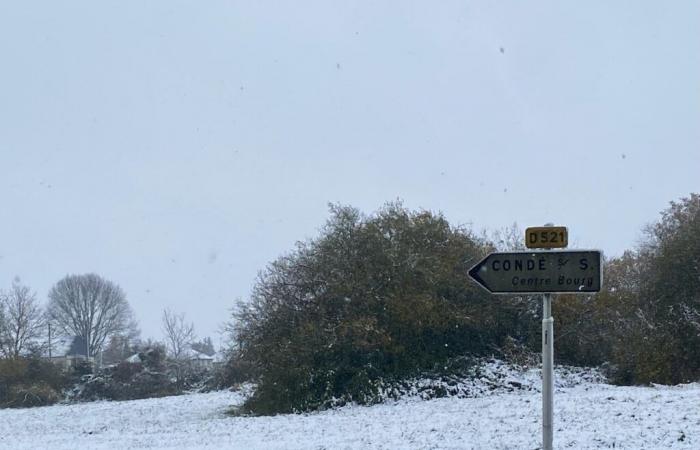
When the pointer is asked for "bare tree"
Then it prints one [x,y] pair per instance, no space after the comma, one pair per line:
[90,307]
[178,333]
[508,239]
[21,320]
[205,346]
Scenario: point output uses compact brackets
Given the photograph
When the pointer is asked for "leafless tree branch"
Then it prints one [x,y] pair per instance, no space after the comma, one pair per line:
[90,307]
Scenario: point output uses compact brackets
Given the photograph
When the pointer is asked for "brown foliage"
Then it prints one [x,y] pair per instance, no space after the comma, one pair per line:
[372,297]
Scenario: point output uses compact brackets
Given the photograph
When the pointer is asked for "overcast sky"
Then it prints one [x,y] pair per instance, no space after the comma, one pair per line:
[176,147]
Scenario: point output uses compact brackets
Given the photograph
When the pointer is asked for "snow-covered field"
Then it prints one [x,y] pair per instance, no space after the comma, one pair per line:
[587,415]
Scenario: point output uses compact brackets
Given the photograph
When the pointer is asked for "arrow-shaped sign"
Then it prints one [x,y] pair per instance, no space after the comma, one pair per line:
[551,271]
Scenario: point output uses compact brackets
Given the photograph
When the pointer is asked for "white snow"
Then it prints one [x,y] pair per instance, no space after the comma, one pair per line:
[588,414]
[135,358]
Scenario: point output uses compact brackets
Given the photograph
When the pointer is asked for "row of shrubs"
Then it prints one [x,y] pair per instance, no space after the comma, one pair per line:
[378,299]
[33,381]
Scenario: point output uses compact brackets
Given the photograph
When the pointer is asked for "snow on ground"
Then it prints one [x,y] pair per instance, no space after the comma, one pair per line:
[588,414]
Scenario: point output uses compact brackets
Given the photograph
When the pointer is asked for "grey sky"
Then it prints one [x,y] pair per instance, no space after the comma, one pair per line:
[175,147]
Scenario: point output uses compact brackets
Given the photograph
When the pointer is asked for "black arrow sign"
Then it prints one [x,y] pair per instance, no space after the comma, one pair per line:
[576,272]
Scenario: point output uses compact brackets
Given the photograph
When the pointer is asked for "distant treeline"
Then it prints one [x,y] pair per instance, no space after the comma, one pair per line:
[84,345]
[381,297]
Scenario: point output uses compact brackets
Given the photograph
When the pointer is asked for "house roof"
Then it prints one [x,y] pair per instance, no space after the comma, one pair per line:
[67,346]
[77,347]
[135,358]
[195,355]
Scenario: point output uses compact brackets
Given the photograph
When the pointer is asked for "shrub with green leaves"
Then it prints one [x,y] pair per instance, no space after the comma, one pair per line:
[373,297]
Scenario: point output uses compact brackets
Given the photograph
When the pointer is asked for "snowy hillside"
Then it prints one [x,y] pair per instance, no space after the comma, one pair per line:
[588,414]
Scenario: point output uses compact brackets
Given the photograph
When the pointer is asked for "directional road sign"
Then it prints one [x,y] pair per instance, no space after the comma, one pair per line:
[550,271]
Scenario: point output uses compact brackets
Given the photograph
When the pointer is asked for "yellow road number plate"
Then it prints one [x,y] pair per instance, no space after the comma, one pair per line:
[546,237]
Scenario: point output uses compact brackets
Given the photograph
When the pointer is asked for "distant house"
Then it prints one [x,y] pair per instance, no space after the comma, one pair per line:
[199,360]
[134,359]
[220,358]
[67,353]
[191,358]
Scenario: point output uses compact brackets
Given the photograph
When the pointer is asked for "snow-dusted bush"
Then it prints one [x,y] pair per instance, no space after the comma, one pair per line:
[148,375]
[373,298]
[28,395]
[386,297]
[127,381]
[28,382]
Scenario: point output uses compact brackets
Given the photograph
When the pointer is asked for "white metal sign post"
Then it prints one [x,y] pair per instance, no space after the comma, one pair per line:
[547,232]
[547,372]
[548,272]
